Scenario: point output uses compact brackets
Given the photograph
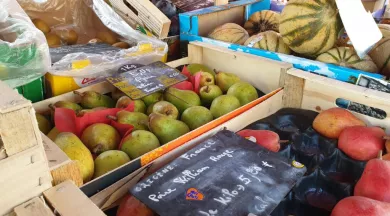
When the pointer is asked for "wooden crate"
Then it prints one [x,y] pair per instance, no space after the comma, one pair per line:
[144,12]
[373,5]
[24,169]
[301,90]
[266,78]
[65,199]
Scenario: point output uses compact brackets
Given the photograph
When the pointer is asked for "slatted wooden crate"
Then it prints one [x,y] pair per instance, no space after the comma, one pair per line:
[24,169]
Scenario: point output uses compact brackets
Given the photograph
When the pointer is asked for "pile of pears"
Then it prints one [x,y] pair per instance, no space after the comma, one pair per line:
[157,119]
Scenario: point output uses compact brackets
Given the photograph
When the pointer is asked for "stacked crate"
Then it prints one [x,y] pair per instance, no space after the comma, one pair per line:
[24,170]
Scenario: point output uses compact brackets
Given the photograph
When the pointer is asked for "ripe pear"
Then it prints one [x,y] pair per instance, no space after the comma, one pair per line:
[124,101]
[91,99]
[165,108]
[361,206]
[84,111]
[44,124]
[138,120]
[195,68]
[132,206]
[67,105]
[205,79]
[149,110]
[41,25]
[362,143]
[244,92]
[265,138]
[330,123]
[53,40]
[109,160]
[226,80]
[152,98]
[165,128]
[68,36]
[209,93]
[196,116]
[116,94]
[182,99]
[76,150]
[100,137]
[107,37]
[139,143]
[224,104]
[53,134]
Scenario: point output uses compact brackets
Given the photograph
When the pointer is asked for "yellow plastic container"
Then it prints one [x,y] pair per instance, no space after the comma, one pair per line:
[57,85]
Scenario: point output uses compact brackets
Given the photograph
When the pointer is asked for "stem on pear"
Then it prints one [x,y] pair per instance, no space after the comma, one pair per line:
[380,155]
[78,93]
[386,137]
[114,118]
[52,107]
[284,141]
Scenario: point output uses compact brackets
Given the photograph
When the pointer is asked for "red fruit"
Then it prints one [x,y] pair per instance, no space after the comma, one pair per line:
[361,143]
[375,181]
[268,139]
[185,85]
[130,206]
[330,123]
[361,206]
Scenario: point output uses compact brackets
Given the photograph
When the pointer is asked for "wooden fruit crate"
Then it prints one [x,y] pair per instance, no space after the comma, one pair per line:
[263,73]
[23,166]
[146,13]
[301,90]
[65,199]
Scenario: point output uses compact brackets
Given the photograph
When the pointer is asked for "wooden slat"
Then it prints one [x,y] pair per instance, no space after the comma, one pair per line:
[34,207]
[220,2]
[293,87]
[179,62]
[68,200]
[195,54]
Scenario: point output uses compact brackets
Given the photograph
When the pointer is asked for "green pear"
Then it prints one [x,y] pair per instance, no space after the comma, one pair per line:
[116,94]
[44,124]
[84,111]
[67,105]
[149,110]
[195,68]
[244,92]
[109,160]
[209,93]
[224,104]
[100,137]
[225,80]
[91,99]
[182,99]
[165,128]
[165,108]
[53,134]
[72,146]
[196,116]
[152,98]
[139,143]
[138,120]
[205,79]
[124,101]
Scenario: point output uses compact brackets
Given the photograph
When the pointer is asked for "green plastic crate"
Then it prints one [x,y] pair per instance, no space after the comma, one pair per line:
[33,91]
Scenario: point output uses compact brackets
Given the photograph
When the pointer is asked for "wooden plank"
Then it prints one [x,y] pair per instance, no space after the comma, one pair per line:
[179,62]
[62,168]
[34,207]
[293,90]
[195,54]
[68,200]
[221,2]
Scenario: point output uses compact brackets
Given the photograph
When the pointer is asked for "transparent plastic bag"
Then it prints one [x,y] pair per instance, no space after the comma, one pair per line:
[88,18]
[24,54]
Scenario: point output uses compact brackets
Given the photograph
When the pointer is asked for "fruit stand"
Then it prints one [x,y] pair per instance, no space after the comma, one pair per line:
[275,108]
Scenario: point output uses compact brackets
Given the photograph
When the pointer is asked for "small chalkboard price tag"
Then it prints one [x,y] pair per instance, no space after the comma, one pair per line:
[372,83]
[224,175]
[137,82]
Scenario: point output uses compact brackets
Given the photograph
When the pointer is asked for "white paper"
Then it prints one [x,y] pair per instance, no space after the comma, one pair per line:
[360,25]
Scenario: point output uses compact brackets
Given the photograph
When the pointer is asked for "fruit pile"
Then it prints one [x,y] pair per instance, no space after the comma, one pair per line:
[70,37]
[117,129]
[306,28]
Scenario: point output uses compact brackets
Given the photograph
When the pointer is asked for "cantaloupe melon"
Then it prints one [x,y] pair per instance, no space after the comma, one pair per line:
[347,57]
[262,21]
[380,54]
[269,40]
[310,27]
[230,32]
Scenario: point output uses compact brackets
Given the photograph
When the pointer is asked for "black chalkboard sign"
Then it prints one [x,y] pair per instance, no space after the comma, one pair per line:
[58,53]
[224,175]
[142,81]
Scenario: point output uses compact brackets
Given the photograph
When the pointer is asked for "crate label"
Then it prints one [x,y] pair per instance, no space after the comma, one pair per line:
[140,82]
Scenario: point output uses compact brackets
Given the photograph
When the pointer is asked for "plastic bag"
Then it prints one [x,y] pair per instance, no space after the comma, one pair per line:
[24,53]
[87,18]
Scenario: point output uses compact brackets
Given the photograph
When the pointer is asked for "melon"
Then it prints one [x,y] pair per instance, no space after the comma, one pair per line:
[343,39]
[230,32]
[347,57]
[269,40]
[380,54]
[310,27]
[262,21]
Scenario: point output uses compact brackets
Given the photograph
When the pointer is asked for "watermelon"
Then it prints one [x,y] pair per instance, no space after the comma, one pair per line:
[269,40]
[347,57]
[262,21]
[310,27]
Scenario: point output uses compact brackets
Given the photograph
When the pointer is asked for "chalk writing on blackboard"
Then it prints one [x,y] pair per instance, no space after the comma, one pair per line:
[224,175]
